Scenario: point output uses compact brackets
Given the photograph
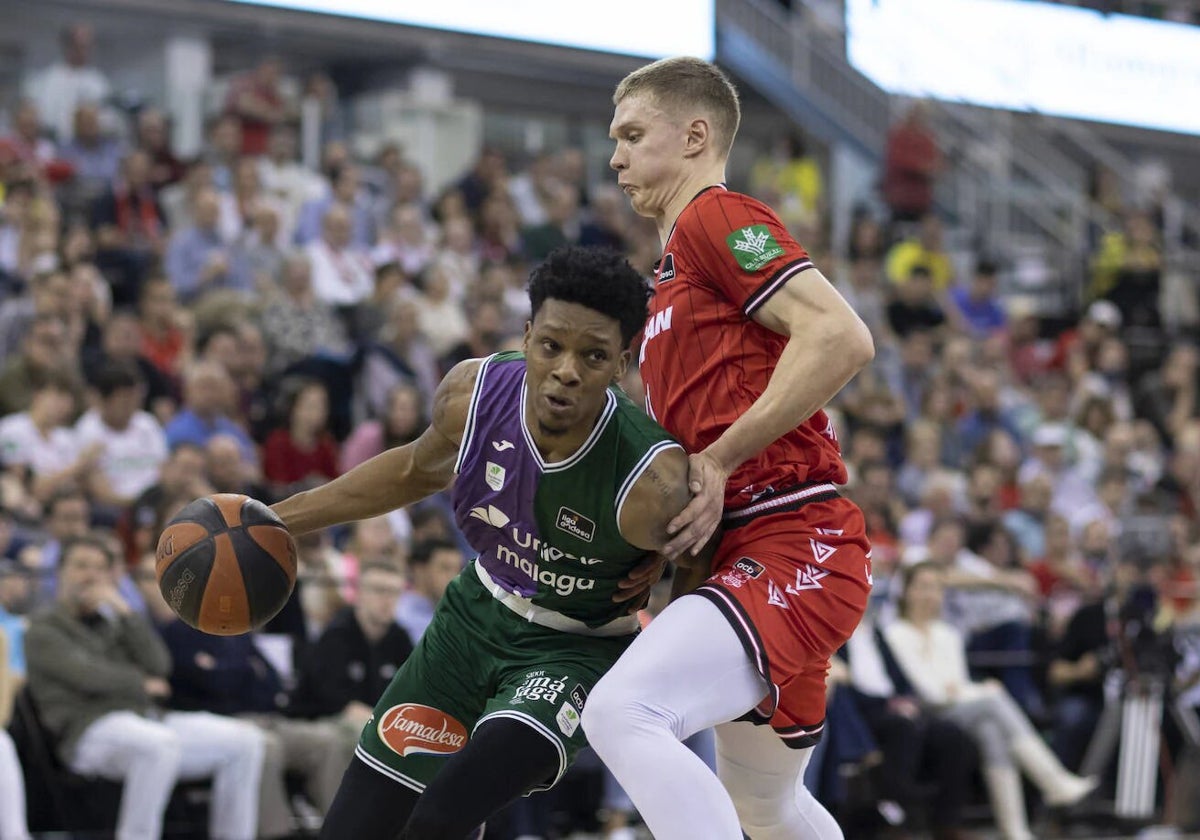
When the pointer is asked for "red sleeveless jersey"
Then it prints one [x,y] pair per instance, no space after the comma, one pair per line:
[704,360]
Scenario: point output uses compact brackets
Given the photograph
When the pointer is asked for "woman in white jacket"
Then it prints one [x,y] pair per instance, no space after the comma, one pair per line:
[932,656]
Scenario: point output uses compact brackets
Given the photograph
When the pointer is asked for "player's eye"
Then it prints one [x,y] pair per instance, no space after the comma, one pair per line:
[597,356]
[633,138]
[549,346]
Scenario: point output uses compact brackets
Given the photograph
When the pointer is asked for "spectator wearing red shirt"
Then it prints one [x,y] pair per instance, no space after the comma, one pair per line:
[256,100]
[911,165]
[304,451]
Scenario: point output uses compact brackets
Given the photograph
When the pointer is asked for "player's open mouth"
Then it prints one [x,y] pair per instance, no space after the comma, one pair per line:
[557,403]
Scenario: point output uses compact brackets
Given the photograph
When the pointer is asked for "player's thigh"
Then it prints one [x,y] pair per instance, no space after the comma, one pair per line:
[548,693]
[430,706]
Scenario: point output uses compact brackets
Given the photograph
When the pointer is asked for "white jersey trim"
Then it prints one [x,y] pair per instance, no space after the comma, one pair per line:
[636,473]
[392,773]
[472,415]
[535,614]
[610,408]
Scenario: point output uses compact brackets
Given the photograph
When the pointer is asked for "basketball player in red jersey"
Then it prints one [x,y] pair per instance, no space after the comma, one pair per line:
[745,344]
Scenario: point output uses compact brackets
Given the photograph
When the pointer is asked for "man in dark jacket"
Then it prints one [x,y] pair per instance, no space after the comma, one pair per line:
[230,676]
[346,671]
[97,672]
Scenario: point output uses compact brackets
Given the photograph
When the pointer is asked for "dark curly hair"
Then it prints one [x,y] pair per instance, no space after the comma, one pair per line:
[598,278]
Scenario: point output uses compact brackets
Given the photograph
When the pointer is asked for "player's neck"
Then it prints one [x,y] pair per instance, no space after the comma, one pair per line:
[688,189]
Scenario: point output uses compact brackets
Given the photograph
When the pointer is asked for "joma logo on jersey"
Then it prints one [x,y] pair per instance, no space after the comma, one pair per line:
[659,322]
[575,524]
[753,246]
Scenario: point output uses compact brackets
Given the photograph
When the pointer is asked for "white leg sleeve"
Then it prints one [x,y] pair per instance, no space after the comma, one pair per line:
[144,755]
[231,752]
[688,671]
[12,792]
[765,778]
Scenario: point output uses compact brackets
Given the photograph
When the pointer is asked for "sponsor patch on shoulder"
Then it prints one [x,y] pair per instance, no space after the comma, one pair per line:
[753,246]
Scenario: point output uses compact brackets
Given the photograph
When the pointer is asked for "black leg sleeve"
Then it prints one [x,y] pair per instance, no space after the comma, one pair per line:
[503,759]
[368,806]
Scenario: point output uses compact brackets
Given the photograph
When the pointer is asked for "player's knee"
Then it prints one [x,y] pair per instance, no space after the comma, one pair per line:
[613,714]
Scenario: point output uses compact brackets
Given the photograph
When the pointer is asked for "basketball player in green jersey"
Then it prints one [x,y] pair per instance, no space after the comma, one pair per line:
[562,486]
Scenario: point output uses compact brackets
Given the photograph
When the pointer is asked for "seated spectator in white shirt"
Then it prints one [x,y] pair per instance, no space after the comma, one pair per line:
[132,444]
[39,443]
[407,241]
[342,274]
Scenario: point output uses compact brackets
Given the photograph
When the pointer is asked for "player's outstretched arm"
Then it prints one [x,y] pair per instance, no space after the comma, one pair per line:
[394,478]
[827,344]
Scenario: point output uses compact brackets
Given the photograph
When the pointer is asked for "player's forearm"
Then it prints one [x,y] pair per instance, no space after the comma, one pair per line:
[813,367]
[388,481]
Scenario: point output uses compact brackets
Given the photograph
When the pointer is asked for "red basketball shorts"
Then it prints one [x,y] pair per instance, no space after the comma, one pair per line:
[792,575]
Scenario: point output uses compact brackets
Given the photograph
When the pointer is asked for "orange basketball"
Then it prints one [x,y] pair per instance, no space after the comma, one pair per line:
[226,564]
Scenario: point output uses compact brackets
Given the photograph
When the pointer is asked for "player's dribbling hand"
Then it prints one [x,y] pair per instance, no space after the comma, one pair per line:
[691,529]
[636,585]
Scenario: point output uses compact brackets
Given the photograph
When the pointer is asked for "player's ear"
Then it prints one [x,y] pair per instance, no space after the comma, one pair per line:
[525,338]
[622,365]
[699,136]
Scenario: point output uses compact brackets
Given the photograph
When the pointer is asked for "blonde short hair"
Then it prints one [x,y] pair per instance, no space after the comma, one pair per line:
[677,84]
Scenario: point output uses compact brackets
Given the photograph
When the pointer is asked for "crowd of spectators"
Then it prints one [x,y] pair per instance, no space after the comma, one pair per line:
[239,323]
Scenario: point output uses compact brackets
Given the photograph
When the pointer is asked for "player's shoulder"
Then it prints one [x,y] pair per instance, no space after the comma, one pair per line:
[718,213]
[635,427]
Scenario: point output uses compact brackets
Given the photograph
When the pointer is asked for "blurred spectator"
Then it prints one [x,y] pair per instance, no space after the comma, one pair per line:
[342,274]
[561,226]
[154,140]
[121,344]
[257,100]
[459,256]
[28,147]
[319,91]
[130,442]
[346,192]
[222,151]
[302,452]
[1027,522]
[917,744]
[1088,652]
[915,307]
[925,250]
[97,672]
[257,259]
[296,325]
[440,314]
[406,240]
[130,228]
[228,471]
[1167,396]
[401,424]
[499,229]
[486,331]
[73,81]
[1062,578]
[208,395]
[932,657]
[348,667]
[12,782]
[94,156]
[181,479]
[45,352]
[532,190]
[487,175]
[39,443]
[977,305]
[285,179]
[789,179]
[370,315]
[197,260]
[432,564]
[606,224]
[402,355]
[227,675]
[912,163]
[16,602]
[165,329]
[860,281]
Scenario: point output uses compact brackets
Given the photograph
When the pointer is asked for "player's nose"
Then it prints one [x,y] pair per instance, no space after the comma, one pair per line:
[617,161]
